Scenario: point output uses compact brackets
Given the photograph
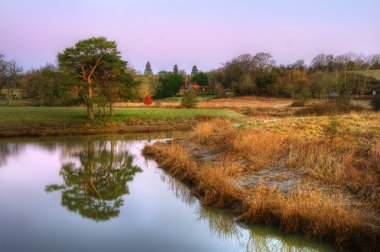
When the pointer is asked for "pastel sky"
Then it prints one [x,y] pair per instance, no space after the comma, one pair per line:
[200,32]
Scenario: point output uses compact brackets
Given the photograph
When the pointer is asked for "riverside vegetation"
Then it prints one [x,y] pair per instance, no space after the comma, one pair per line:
[318,176]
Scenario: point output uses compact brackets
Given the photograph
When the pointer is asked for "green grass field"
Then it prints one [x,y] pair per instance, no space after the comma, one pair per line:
[371,73]
[167,113]
[26,119]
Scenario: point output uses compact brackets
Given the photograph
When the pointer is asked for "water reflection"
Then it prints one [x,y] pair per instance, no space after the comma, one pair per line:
[7,150]
[92,176]
[224,226]
[95,179]
[180,190]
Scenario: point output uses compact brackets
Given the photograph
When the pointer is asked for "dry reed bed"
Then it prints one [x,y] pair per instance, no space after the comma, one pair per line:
[337,204]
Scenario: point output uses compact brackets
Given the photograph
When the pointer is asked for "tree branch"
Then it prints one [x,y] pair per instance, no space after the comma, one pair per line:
[93,69]
[83,72]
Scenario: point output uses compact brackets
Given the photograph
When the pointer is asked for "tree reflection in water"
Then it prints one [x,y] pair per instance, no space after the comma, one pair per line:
[223,225]
[7,150]
[180,190]
[93,186]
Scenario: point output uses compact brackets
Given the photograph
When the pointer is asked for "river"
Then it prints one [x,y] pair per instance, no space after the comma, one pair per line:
[98,193]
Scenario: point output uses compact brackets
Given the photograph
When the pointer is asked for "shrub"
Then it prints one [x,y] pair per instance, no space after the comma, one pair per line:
[343,100]
[148,100]
[375,102]
[301,99]
[332,128]
[189,99]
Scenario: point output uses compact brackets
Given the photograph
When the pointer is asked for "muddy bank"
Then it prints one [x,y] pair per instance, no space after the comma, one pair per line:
[257,176]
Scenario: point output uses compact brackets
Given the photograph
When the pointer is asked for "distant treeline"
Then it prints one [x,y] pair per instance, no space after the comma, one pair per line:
[327,75]
[342,75]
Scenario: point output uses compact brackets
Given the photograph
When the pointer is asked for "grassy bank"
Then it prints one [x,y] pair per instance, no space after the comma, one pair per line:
[36,121]
[325,184]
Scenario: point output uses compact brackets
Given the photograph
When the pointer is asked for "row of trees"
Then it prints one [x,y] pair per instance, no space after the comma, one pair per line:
[48,87]
[342,75]
[167,83]
[93,72]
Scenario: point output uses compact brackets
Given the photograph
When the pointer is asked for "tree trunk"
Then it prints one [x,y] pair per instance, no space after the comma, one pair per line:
[90,105]
[99,113]
[90,110]
[112,109]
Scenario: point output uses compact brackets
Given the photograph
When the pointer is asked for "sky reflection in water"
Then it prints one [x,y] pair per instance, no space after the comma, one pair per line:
[100,193]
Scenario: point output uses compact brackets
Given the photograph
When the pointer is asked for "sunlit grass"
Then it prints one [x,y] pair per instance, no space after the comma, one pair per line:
[303,179]
[28,118]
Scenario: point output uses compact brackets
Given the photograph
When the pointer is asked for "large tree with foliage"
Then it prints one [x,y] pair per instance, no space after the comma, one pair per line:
[169,84]
[48,87]
[90,61]
[145,86]
[114,83]
[247,74]
[10,73]
[200,78]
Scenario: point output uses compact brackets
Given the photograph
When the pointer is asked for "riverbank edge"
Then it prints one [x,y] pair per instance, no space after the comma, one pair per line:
[235,201]
[80,130]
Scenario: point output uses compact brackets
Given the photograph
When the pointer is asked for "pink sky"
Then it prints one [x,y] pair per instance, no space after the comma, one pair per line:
[204,33]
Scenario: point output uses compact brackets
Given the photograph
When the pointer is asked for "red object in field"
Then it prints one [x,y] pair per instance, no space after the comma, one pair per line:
[195,86]
[148,100]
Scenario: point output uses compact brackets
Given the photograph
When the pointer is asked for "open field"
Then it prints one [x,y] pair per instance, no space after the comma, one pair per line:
[233,102]
[264,105]
[132,117]
[371,73]
[73,120]
[315,175]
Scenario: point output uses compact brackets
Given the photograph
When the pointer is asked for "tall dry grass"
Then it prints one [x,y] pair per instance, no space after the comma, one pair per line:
[375,159]
[175,159]
[328,108]
[343,163]
[338,162]
[217,188]
[260,149]
[311,212]
[375,156]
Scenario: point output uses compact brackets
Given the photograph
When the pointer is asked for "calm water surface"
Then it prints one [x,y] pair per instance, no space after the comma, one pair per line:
[101,194]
